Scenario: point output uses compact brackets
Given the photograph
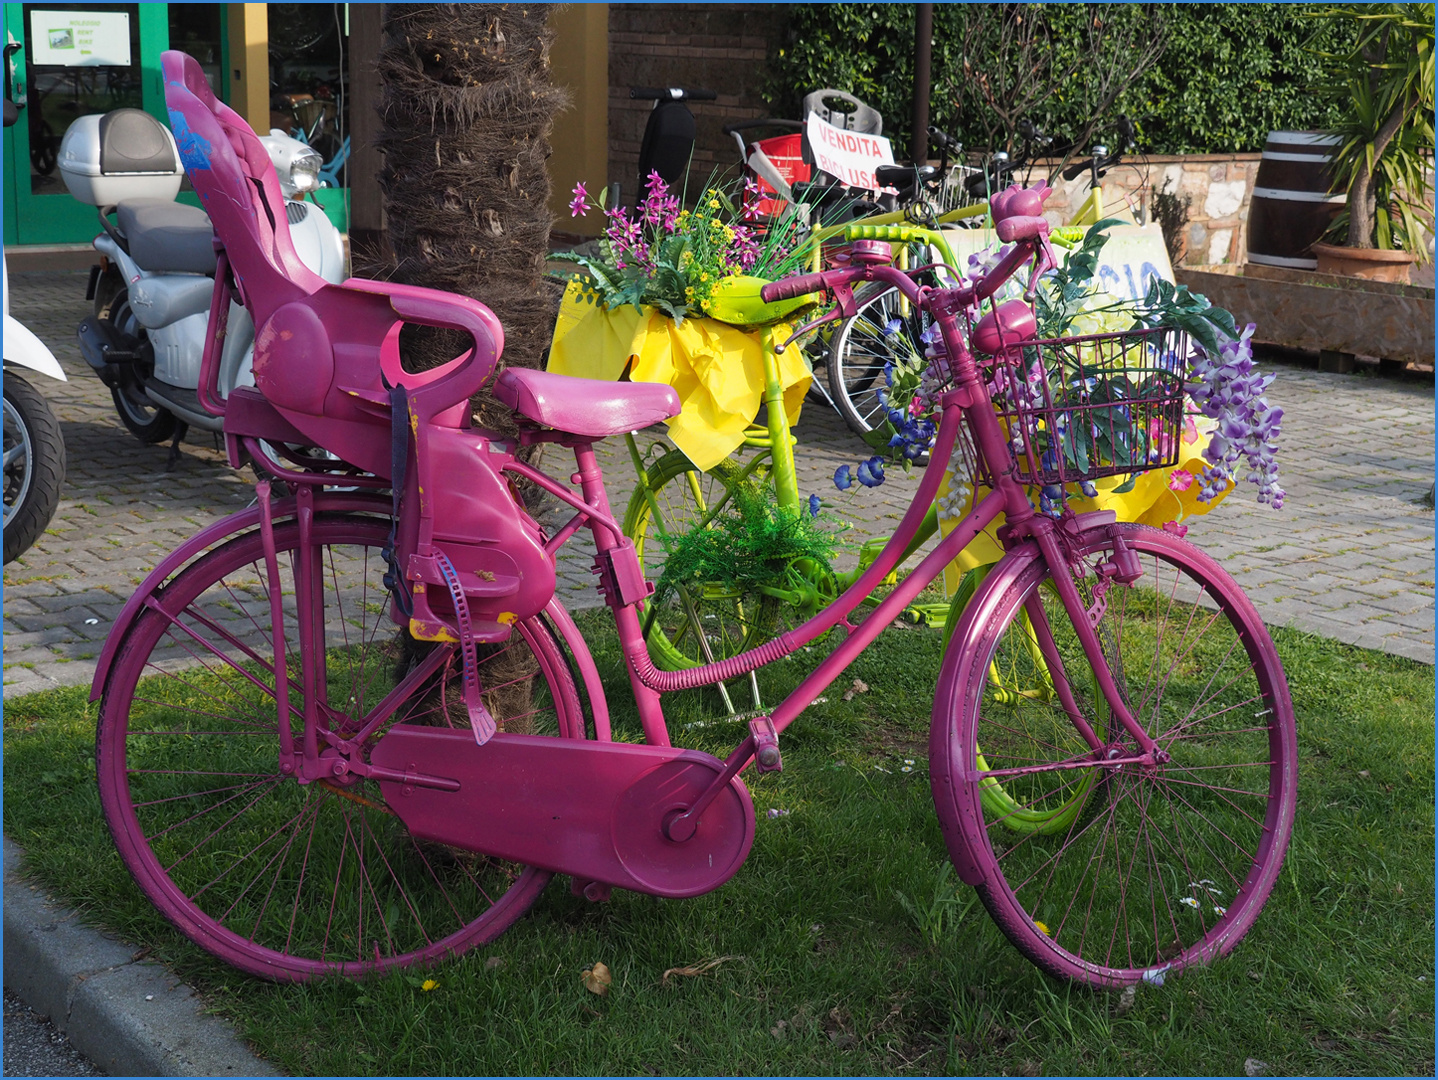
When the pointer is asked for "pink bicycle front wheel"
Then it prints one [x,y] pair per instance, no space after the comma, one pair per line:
[1101,874]
[285,880]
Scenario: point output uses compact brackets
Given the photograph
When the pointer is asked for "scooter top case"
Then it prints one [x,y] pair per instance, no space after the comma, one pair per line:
[123,154]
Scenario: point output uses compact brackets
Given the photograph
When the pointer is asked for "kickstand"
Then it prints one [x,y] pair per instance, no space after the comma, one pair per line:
[174,459]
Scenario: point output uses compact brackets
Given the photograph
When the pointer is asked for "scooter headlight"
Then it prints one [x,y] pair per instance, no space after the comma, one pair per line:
[305,170]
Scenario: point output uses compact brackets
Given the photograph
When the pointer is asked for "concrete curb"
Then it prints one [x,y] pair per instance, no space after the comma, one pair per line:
[130,1018]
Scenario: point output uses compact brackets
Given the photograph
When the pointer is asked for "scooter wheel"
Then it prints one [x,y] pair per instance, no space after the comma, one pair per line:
[34,465]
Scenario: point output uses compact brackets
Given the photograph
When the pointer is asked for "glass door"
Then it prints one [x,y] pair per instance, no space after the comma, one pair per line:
[72,60]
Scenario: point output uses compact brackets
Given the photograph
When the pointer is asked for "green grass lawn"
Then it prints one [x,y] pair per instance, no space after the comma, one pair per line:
[844,946]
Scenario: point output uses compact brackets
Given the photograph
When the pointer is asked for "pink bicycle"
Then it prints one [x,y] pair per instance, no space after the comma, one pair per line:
[351,728]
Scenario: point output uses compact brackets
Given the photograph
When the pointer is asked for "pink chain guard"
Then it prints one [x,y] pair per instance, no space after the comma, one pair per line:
[593,810]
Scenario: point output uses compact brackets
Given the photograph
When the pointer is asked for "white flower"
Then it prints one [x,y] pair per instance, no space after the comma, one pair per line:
[1189,902]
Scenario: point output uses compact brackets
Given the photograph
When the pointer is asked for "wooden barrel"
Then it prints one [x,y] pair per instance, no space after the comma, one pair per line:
[1291,205]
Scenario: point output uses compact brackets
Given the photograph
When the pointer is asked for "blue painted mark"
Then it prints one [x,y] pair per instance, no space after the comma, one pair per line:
[1133,290]
[194,149]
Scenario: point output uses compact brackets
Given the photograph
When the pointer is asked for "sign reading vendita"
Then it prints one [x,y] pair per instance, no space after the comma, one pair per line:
[80,38]
[849,156]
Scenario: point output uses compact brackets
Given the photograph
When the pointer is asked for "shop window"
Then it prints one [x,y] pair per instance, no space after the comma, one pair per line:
[80,59]
[309,51]
[195,29]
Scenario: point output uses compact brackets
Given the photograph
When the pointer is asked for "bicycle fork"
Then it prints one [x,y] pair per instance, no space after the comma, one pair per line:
[1123,569]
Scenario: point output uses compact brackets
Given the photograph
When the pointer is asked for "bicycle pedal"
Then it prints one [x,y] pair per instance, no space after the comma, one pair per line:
[766,745]
[595,892]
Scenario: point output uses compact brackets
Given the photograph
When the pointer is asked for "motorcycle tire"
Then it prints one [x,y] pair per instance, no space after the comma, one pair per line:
[142,418]
[33,475]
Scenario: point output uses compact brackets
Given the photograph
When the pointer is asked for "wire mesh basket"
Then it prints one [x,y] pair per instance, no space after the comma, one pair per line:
[1082,408]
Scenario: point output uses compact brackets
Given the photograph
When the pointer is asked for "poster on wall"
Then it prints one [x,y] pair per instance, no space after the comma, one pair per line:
[80,38]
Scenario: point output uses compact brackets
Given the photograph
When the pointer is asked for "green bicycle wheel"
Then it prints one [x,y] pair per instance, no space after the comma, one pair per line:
[688,627]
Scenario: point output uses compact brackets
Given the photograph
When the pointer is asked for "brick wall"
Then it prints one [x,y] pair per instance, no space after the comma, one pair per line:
[722,47]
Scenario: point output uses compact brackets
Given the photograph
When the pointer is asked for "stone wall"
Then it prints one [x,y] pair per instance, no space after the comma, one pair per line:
[1218,188]
[721,47]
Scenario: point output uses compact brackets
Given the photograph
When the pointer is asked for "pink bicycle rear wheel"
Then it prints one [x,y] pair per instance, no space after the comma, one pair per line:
[1102,874]
[285,880]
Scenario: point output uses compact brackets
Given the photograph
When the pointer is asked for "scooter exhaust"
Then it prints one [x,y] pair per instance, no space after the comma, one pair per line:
[105,349]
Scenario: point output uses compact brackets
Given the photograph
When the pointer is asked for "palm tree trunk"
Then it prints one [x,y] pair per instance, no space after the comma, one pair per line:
[466,112]
[1362,197]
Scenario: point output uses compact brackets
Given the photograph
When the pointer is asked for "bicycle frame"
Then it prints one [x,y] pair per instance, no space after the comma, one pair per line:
[967,402]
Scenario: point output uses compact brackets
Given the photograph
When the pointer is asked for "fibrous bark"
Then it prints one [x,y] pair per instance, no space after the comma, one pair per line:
[466,109]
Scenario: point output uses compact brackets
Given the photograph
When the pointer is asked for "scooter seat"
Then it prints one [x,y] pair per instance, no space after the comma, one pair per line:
[590,407]
[166,235]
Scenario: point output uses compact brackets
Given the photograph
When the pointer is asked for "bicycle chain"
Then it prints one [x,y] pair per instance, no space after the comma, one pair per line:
[479,717]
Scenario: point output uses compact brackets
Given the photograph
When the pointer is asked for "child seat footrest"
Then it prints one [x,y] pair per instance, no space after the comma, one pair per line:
[477,584]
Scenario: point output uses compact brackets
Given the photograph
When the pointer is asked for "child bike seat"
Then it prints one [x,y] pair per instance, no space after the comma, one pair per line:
[589,407]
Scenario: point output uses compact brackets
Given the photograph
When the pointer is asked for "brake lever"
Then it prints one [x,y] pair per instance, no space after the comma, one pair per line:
[1044,255]
[832,315]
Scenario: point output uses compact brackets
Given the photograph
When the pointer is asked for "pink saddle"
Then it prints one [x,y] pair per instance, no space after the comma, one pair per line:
[587,407]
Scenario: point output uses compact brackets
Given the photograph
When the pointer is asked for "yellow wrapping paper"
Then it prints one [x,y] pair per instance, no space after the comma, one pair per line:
[1157,498]
[718,370]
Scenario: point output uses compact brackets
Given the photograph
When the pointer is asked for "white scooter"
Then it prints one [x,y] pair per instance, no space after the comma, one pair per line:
[34,450]
[152,288]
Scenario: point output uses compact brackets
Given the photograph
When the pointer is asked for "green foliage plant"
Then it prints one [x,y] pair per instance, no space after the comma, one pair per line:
[1386,82]
[1228,73]
[748,545]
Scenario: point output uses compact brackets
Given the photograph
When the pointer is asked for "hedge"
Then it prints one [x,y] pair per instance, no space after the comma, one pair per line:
[1228,75]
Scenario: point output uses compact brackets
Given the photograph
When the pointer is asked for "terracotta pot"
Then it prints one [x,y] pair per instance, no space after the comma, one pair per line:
[1374,264]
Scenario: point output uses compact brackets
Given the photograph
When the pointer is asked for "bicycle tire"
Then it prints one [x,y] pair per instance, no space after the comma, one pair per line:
[282,880]
[34,465]
[1210,827]
[879,331]
[734,620]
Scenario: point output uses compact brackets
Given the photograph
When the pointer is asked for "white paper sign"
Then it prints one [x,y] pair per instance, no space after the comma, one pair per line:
[80,38]
[847,155]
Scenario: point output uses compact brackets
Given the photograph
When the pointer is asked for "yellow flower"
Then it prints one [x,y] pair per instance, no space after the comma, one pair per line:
[1044,930]
[728,232]
[428,985]
[704,276]
[689,292]
[704,304]
[713,204]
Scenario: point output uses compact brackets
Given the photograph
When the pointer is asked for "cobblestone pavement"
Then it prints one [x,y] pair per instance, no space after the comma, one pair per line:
[1350,557]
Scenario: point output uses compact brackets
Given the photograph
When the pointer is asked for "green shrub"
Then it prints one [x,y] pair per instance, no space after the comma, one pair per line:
[1228,74]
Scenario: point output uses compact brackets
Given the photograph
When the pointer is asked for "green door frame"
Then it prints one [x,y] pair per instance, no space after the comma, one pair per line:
[59,218]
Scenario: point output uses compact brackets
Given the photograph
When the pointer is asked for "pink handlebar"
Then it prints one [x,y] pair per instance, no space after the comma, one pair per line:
[790,287]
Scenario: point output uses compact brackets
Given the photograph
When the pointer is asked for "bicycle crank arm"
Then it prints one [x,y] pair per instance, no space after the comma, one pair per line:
[594,810]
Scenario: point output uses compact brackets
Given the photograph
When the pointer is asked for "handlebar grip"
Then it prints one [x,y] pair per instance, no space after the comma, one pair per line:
[788,288]
[1073,172]
[670,93]
[745,125]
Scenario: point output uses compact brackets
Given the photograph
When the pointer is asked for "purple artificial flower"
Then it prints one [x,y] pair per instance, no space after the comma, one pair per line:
[579,205]
[871,472]
[659,207]
[842,478]
[752,197]
[814,504]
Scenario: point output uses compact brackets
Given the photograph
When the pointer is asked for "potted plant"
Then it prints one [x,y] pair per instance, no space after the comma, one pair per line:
[1383,163]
